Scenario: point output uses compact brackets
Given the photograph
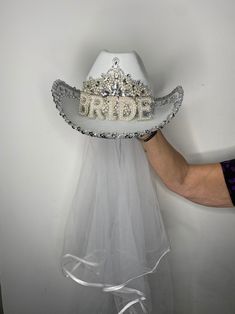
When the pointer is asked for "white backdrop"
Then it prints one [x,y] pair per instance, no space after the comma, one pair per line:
[187,42]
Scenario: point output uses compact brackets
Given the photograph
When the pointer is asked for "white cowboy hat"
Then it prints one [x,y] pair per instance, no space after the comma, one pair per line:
[116,100]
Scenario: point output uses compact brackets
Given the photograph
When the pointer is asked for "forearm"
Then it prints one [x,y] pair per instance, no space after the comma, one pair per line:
[167,162]
[202,183]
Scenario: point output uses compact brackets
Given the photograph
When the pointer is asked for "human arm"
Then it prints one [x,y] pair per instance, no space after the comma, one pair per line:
[201,183]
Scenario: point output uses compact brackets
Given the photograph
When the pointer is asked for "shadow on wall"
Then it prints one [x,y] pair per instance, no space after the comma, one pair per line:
[1,308]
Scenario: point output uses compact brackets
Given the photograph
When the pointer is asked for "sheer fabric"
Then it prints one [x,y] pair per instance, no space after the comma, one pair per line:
[114,236]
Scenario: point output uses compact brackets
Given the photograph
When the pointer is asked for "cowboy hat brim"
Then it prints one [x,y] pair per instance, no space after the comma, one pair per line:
[67,100]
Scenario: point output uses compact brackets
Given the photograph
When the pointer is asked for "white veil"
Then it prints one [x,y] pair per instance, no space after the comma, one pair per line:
[115,236]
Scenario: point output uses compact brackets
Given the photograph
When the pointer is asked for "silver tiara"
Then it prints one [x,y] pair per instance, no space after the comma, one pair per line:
[116,83]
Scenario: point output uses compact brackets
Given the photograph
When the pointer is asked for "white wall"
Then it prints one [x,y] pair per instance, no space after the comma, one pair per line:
[188,42]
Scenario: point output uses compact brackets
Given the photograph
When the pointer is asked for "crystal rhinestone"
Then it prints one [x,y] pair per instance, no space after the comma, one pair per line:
[115,61]
[116,82]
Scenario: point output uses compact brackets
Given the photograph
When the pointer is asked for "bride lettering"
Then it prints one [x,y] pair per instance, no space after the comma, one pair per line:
[121,108]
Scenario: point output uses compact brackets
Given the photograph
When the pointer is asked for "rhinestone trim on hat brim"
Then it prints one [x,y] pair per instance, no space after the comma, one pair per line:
[61,89]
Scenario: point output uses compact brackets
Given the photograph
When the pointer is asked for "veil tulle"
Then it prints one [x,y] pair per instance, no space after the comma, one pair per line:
[114,235]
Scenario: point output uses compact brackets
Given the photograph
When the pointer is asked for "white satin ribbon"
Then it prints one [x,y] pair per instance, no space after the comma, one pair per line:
[111,288]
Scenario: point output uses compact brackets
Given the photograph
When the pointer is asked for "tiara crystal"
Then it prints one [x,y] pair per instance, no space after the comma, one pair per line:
[116,83]
[116,96]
